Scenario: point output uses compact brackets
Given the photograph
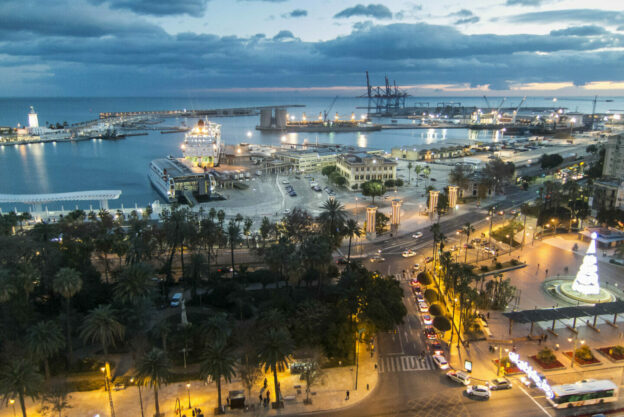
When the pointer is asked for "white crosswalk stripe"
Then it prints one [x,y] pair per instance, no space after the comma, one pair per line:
[405,364]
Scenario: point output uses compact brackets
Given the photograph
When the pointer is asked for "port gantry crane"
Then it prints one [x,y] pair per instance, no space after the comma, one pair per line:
[593,100]
[388,98]
[331,106]
[515,112]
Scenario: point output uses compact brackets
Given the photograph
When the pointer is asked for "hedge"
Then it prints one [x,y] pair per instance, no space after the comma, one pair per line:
[424,278]
[442,323]
[431,296]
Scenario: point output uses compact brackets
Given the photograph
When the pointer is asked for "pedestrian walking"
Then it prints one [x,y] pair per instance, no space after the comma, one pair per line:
[265,382]
[545,337]
[539,340]
[346,399]
[260,397]
[546,271]
[268,395]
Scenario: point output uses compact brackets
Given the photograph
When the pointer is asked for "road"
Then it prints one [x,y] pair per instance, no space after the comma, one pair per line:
[409,386]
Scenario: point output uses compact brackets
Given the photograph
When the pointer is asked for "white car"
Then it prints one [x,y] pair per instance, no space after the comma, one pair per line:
[459,376]
[440,361]
[284,181]
[417,235]
[423,307]
[408,253]
[478,391]
[427,320]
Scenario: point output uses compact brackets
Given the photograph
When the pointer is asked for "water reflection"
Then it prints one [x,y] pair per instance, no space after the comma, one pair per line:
[362,141]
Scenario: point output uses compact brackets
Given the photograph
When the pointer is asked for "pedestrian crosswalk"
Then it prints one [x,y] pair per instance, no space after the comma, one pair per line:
[405,363]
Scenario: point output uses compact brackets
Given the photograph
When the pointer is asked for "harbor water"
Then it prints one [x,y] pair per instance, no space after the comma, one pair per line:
[123,164]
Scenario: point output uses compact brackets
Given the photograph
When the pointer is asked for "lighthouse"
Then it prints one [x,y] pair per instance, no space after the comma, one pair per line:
[33,119]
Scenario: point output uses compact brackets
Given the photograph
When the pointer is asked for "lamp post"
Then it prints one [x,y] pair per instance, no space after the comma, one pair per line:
[453,326]
[12,402]
[140,396]
[106,371]
[574,351]
[188,391]
[357,362]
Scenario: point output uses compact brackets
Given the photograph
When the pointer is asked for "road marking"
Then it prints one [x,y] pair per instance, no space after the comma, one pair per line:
[389,364]
[535,401]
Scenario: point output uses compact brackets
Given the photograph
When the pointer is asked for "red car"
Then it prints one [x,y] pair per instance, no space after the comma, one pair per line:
[430,333]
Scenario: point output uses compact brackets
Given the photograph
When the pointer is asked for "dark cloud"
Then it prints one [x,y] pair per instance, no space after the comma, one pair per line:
[377,11]
[571,15]
[159,7]
[296,13]
[461,13]
[588,30]
[120,54]
[468,20]
[284,35]
[524,2]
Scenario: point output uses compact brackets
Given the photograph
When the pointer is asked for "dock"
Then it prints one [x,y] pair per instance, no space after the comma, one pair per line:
[223,112]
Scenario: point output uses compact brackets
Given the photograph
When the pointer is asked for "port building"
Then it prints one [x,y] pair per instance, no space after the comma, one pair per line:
[360,167]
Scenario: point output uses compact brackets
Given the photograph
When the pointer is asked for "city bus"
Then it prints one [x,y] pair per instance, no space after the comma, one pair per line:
[585,392]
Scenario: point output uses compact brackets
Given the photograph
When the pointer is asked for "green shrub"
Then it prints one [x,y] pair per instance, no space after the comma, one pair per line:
[515,262]
[618,350]
[442,323]
[431,296]
[484,268]
[436,309]
[85,384]
[584,353]
[546,355]
[424,278]
[499,265]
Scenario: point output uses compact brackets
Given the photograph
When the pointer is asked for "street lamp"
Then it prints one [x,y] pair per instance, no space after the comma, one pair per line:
[453,326]
[12,402]
[106,371]
[574,351]
[188,390]
[140,396]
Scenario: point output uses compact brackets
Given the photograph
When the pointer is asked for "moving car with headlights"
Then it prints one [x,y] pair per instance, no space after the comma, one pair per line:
[430,333]
[440,361]
[408,253]
[435,348]
[417,235]
[499,384]
[478,391]
[427,319]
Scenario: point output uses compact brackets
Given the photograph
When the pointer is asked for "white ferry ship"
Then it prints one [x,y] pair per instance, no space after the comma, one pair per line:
[173,179]
[202,145]
[161,180]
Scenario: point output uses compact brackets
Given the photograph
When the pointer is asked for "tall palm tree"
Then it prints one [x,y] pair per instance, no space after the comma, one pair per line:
[134,284]
[233,235]
[352,229]
[410,165]
[417,170]
[426,172]
[218,362]
[274,350]
[153,371]
[101,326]
[7,289]
[467,229]
[67,283]
[44,340]
[333,217]
[19,378]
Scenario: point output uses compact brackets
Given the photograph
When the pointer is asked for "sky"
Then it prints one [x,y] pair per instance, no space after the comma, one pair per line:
[218,47]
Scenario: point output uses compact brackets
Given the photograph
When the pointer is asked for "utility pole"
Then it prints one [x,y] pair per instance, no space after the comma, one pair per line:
[107,386]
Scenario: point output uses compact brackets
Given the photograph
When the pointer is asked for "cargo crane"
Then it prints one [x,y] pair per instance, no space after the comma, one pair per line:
[487,102]
[386,99]
[331,106]
[515,112]
[594,100]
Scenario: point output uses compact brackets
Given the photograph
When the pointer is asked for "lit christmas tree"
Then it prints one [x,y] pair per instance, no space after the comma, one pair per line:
[586,281]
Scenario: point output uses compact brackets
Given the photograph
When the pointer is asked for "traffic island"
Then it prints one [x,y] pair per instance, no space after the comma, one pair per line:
[547,360]
[510,368]
[613,353]
[583,357]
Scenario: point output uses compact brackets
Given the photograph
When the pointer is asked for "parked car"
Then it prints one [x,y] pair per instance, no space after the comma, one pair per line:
[416,267]
[478,391]
[428,259]
[408,253]
[417,235]
[435,347]
[427,319]
[423,307]
[420,298]
[459,376]
[440,361]
[284,181]
[499,384]
[377,258]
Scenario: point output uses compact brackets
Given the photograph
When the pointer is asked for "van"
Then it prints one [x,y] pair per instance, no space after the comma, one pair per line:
[176,299]
[459,376]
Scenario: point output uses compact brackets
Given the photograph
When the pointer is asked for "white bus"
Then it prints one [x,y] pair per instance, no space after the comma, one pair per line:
[585,392]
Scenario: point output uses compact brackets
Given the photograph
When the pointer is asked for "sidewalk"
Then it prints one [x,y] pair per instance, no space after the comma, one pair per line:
[328,395]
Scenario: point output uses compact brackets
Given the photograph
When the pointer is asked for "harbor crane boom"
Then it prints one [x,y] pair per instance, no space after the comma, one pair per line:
[594,101]
[331,106]
[515,112]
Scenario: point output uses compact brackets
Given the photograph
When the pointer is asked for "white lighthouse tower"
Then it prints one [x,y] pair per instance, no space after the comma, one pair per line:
[33,119]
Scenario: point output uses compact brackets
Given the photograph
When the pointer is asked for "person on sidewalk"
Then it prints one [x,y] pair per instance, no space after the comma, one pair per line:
[347,399]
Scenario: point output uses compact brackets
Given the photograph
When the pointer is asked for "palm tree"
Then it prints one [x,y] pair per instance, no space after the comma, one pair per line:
[134,284]
[44,340]
[101,326]
[426,172]
[333,217]
[67,283]
[19,378]
[7,289]
[467,229]
[352,229]
[153,371]
[218,362]
[274,350]
[417,170]
[234,235]
[55,400]
[410,165]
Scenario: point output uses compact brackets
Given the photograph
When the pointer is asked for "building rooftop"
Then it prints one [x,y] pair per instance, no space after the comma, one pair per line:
[174,167]
[364,158]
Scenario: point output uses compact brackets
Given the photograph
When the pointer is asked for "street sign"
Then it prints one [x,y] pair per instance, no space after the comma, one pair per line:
[468,366]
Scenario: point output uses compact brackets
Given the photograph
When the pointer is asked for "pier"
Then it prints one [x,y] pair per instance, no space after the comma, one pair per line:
[224,112]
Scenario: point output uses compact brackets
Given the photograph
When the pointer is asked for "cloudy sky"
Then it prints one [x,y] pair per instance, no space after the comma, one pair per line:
[209,47]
